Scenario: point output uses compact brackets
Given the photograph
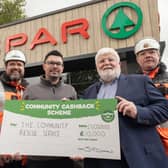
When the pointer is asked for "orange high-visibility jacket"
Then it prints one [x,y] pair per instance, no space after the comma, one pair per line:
[12,90]
[159,77]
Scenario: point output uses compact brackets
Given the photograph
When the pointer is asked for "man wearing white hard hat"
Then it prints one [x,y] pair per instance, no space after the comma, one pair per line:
[14,84]
[13,77]
[147,52]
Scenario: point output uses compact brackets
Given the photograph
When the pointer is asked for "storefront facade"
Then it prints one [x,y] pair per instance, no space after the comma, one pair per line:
[78,32]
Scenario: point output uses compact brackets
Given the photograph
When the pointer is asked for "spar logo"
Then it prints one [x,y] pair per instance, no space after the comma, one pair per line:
[122,20]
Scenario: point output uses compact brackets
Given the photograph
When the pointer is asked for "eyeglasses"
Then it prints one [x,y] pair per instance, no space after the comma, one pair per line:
[51,63]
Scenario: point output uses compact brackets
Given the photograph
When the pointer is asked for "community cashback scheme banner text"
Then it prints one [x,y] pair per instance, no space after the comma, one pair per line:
[61,128]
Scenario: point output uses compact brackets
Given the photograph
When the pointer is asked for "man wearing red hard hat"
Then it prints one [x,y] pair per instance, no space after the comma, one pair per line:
[147,53]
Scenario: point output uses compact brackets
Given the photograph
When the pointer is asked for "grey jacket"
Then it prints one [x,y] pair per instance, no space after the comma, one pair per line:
[44,90]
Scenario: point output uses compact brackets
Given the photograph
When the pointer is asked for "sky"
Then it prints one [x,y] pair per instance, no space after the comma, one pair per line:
[163,4]
[33,8]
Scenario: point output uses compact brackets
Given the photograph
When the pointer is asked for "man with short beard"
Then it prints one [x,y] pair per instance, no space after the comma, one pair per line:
[13,78]
[50,87]
[14,84]
[140,108]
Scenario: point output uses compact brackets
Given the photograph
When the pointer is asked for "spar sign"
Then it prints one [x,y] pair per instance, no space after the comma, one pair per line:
[44,36]
[115,23]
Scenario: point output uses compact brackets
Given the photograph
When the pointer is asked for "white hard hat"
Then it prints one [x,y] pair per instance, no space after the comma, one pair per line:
[145,44]
[15,55]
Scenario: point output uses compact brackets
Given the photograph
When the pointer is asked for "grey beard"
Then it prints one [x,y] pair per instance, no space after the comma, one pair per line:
[109,76]
[15,78]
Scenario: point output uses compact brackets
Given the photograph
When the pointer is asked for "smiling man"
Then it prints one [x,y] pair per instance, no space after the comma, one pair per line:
[13,78]
[50,87]
[148,57]
[141,107]
[14,84]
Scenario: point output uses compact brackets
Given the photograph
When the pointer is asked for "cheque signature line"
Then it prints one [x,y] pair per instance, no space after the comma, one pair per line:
[94,149]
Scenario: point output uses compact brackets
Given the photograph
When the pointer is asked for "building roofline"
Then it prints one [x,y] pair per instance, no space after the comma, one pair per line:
[51,13]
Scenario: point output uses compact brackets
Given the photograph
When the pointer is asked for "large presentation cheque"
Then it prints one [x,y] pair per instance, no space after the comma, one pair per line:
[61,128]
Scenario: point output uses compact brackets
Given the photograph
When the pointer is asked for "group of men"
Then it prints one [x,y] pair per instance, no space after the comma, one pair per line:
[142,104]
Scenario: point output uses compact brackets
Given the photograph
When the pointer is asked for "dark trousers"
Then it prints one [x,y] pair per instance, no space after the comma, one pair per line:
[106,163]
[53,163]
[13,164]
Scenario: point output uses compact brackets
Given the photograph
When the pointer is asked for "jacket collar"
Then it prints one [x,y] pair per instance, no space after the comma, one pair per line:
[6,80]
[121,88]
[162,69]
[48,83]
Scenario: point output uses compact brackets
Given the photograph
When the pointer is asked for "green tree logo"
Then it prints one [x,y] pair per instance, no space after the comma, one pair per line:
[122,21]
